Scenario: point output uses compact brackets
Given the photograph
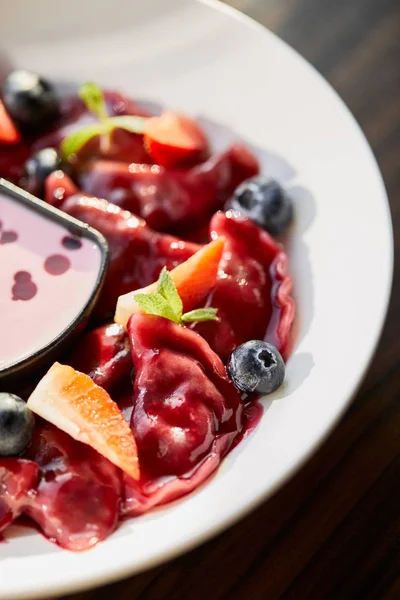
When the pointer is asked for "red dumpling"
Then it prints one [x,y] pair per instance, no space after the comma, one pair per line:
[77,498]
[104,354]
[186,412]
[17,477]
[137,253]
[253,288]
[180,201]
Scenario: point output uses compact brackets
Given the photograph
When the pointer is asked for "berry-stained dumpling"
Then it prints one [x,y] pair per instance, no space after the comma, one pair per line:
[179,201]
[186,412]
[17,477]
[253,288]
[183,398]
[137,253]
[104,354]
[77,498]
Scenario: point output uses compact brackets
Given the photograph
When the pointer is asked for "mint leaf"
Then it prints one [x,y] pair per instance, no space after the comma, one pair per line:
[167,303]
[200,314]
[76,140]
[167,289]
[93,97]
[156,304]
[129,123]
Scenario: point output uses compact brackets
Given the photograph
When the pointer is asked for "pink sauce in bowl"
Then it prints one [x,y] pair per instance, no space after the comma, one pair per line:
[48,277]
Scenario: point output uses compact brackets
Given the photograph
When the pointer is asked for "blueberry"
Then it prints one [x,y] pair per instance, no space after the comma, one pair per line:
[265,202]
[256,367]
[37,168]
[16,425]
[30,100]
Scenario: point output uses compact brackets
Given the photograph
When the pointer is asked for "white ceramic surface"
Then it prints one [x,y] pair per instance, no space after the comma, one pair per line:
[206,59]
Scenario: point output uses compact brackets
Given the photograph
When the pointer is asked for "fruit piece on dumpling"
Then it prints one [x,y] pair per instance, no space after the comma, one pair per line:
[173,139]
[193,279]
[74,403]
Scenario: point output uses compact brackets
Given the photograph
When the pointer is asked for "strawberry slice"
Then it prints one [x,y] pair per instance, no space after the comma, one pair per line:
[75,404]
[9,134]
[194,279]
[173,139]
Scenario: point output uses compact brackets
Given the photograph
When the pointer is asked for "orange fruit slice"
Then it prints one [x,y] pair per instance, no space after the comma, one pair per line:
[194,279]
[74,403]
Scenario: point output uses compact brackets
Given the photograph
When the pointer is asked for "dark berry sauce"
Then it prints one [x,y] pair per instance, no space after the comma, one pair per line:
[24,288]
[56,264]
[71,243]
[8,237]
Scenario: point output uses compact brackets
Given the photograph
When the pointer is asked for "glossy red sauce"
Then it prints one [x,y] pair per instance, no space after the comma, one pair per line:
[170,382]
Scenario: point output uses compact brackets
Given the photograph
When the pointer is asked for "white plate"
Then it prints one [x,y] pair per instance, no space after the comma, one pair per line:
[204,58]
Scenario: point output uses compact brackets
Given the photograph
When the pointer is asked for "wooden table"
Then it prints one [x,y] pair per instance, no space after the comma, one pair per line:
[333,532]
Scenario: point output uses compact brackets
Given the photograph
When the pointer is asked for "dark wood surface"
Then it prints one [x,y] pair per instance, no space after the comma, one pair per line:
[333,532]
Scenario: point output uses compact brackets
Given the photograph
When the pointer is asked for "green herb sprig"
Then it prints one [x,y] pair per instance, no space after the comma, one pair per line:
[93,97]
[167,303]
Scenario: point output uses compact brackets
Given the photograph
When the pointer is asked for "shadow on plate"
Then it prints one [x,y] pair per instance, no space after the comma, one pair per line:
[299,260]
[34,543]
